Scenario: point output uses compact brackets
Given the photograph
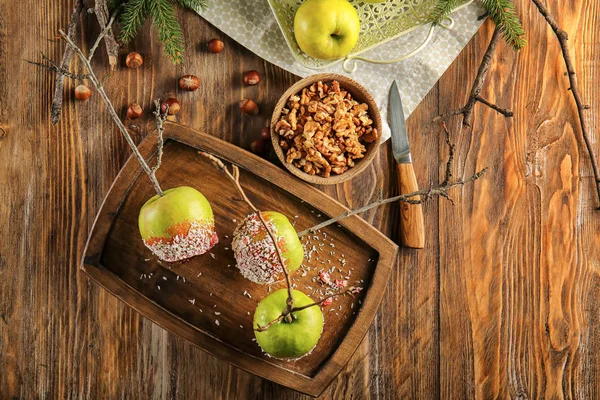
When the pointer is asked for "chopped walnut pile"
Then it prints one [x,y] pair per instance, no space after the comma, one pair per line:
[323,129]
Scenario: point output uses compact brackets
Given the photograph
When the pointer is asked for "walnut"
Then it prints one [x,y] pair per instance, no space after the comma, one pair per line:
[324,129]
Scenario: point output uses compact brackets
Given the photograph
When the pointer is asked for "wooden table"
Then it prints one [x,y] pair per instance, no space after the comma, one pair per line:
[502,302]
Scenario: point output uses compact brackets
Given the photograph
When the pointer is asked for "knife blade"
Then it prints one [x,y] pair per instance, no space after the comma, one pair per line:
[400,145]
[412,228]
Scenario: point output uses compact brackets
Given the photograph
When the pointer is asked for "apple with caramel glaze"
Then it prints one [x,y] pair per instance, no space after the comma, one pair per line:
[178,225]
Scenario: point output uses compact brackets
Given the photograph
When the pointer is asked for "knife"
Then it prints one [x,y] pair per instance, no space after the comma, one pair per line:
[412,229]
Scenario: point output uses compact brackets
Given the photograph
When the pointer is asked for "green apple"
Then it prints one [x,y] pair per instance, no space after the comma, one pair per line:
[178,225]
[326,29]
[283,339]
[255,253]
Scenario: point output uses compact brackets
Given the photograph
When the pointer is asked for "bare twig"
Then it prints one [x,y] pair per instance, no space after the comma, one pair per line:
[475,94]
[504,111]
[112,46]
[103,35]
[113,113]
[563,37]
[56,107]
[235,179]
[425,194]
[270,324]
[451,149]
[61,72]
[160,118]
[350,290]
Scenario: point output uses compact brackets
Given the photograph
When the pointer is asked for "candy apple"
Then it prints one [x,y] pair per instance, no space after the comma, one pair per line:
[326,29]
[288,340]
[178,225]
[255,252]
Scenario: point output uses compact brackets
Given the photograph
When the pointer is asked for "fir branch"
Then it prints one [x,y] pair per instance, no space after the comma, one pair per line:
[164,19]
[443,9]
[169,31]
[133,17]
[502,12]
[195,5]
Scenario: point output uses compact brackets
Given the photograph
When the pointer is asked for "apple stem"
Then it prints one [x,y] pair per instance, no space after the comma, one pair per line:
[351,290]
[234,177]
[286,315]
[94,79]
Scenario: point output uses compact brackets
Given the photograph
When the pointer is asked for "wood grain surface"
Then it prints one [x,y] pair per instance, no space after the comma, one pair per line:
[503,302]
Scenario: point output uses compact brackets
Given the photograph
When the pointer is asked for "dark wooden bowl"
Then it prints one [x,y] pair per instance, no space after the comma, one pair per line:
[360,94]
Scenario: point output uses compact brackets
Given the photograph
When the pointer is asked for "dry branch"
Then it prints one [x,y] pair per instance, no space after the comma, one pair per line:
[234,177]
[160,118]
[425,194]
[475,94]
[97,84]
[286,314]
[56,107]
[112,46]
[563,37]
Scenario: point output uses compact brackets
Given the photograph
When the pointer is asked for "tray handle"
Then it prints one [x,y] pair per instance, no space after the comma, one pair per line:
[445,23]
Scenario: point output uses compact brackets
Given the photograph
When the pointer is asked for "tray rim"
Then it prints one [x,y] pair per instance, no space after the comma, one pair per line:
[111,205]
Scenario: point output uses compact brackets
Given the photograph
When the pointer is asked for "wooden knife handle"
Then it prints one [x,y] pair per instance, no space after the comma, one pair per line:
[412,228]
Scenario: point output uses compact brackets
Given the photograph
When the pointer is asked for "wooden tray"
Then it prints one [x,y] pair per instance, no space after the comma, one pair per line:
[185,298]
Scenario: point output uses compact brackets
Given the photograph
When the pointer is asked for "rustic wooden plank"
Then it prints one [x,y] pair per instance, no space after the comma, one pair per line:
[510,311]
[511,287]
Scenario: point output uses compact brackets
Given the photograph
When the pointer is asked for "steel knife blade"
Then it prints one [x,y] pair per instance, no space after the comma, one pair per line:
[400,145]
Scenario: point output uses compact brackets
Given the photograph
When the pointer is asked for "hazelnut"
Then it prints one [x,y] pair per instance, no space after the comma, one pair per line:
[134,111]
[265,133]
[249,107]
[134,60]
[251,78]
[189,82]
[170,106]
[259,146]
[215,46]
[82,93]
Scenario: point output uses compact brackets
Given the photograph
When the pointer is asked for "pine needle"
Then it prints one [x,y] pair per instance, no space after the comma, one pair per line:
[502,12]
[133,17]
[195,5]
[169,31]
[136,12]
[442,9]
